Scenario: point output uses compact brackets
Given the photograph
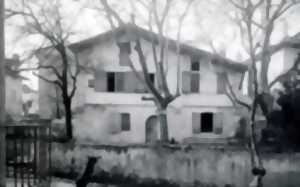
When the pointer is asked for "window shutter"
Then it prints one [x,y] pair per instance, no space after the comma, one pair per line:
[91,83]
[100,82]
[119,81]
[218,123]
[115,123]
[195,82]
[196,123]
[125,50]
[221,83]
[125,122]
[186,82]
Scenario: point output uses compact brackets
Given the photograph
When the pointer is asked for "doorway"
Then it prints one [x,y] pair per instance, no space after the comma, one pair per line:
[151,129]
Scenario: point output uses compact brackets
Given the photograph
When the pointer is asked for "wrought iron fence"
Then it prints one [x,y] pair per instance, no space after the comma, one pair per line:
[28,152]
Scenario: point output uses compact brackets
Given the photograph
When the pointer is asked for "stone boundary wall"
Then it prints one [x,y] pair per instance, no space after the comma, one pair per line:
[217,166]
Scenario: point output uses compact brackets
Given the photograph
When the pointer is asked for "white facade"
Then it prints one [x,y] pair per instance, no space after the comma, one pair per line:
[101,115]
[13,97]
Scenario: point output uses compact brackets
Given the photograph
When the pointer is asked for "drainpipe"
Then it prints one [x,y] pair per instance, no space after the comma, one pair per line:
[2,100]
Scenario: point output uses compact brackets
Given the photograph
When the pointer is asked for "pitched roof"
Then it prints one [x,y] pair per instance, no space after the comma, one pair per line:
[153,37]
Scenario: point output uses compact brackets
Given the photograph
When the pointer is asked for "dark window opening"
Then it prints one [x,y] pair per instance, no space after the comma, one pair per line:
[110,82]
[152,77]
[195,66]
[207,122]
[125,122]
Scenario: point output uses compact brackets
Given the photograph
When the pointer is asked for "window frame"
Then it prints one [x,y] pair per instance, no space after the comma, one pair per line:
[125,122]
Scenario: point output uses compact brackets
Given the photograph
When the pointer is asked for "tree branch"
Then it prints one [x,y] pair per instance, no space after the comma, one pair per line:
[56,82]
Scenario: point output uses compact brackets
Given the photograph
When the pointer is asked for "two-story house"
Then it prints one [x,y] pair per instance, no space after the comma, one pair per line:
[110,95]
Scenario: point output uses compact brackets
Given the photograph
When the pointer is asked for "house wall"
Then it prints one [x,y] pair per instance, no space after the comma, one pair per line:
[13,97]
[96,123]
[33,96]
[290,54]
[99,106]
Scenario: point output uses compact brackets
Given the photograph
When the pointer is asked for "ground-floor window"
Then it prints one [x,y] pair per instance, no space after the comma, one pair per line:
[125,121]
[207,122]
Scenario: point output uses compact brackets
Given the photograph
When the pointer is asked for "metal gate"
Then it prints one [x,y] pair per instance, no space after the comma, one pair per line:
[28,148]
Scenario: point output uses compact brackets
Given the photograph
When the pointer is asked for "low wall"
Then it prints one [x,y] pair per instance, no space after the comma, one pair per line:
[189,165]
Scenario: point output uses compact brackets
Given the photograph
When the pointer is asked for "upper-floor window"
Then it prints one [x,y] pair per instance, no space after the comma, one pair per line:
[207,122]
[125,47]
[221,83]
[190,82]
[111,82]
[125,50]
[195,64]
[125,82]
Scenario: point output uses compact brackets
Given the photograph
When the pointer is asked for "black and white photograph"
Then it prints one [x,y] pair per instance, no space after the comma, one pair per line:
[149,93]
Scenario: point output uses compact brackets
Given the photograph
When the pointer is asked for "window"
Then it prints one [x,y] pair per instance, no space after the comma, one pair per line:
[195,66]
[91,83]
[122,82]
[110,82]
[190,82]
[195,78]
[125,121]
[152,77]
[125,50]
[125,47]
[221,83]
[100,81]
[207,122]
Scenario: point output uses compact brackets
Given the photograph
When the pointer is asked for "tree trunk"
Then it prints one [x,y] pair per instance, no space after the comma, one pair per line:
[162,118]
[2,100]
[264,73]
[258,169]
[68,117]
[250,83]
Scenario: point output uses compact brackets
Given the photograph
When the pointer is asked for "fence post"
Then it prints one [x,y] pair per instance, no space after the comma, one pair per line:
[2,100]
[44,155]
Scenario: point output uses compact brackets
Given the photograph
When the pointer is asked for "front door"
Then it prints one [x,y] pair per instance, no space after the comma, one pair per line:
[151,129]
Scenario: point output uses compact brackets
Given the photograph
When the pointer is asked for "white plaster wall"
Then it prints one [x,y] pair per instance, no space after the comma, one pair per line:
[13,97]
[289,55]
[94,125]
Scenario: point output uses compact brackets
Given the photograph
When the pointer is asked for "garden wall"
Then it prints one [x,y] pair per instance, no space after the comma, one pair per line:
[218,166]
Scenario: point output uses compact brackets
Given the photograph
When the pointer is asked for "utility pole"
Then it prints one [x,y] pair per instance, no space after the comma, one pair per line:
[2,99]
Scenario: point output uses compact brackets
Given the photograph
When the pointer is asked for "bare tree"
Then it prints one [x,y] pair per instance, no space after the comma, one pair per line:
[257,35]
[161,95]
[48,22]
[2,100]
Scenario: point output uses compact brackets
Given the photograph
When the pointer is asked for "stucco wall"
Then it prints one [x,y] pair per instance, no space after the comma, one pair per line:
[13,97]
[209,166]
[95,123]
[105,56]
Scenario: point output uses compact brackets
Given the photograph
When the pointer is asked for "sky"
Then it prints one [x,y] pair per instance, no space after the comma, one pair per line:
[199,25]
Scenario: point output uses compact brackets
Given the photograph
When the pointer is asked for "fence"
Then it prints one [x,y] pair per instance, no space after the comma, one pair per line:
[28,148]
